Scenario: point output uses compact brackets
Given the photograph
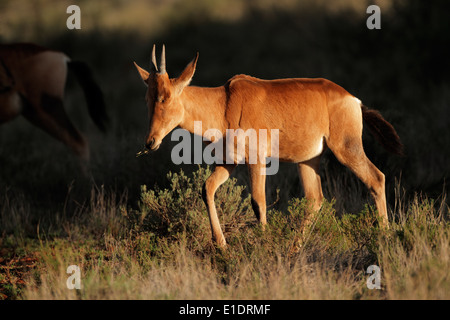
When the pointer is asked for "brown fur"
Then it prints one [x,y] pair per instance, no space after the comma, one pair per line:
[311,114]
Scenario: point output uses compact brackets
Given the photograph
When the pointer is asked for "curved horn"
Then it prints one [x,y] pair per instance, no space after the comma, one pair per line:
[155,65]
[162,66]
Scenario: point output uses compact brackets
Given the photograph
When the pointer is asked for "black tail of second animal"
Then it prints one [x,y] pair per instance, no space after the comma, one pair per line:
[92,92]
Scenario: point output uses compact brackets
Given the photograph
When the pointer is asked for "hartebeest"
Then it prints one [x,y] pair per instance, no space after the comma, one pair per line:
[310,114]
[32,82]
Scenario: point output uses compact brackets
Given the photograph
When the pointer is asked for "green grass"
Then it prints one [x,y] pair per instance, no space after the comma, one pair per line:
[161,248]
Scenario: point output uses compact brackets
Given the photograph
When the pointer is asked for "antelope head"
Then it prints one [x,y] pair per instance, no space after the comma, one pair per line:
[163,98]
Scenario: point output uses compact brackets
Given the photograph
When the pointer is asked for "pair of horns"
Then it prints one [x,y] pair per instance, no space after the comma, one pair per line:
[162,66]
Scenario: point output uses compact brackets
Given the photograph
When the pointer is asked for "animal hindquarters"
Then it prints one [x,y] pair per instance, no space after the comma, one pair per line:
[368,173]
[44,82]
[345,141]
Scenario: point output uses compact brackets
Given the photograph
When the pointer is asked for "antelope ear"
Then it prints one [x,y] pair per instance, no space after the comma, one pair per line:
[186,76]
[143,73]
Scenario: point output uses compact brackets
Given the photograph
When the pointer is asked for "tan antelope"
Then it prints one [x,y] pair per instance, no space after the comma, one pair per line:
[310,114]
[32,82]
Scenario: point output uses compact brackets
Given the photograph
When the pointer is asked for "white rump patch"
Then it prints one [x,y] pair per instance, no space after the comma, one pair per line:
[66,59]
[319,149]
[357,100]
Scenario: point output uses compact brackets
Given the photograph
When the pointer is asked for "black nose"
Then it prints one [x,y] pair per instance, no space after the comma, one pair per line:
[150,143]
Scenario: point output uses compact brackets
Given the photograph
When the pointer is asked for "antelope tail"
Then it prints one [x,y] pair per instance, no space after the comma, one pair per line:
[383,131]
[92,92]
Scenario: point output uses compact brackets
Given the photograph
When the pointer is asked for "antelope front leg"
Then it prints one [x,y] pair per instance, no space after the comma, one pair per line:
[218,177]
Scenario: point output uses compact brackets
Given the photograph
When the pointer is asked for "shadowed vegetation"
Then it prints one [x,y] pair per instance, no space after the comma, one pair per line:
[136,242]
[147,252]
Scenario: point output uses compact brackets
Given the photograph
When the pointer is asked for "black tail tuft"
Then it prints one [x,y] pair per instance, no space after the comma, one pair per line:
[382,130]
[92,92]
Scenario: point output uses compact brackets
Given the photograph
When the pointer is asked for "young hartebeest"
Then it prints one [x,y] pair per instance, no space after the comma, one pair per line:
[310,114]
[32,82]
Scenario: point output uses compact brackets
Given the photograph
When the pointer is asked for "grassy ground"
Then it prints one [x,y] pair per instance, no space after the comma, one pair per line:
[161,249]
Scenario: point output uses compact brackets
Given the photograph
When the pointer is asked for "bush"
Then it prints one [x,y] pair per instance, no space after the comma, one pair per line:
[179,211]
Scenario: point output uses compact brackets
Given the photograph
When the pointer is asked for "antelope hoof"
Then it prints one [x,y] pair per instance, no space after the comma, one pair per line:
[221,243]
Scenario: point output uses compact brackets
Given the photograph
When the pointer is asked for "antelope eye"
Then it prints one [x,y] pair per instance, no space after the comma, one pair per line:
[161,100]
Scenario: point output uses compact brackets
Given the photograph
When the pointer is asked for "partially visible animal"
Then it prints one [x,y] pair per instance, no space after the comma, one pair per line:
[32,83]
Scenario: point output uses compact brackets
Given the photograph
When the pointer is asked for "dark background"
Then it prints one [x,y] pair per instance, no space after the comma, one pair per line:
[401,70]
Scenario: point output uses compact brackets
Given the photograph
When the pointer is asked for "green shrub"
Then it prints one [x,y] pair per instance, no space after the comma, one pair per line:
[179,211]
